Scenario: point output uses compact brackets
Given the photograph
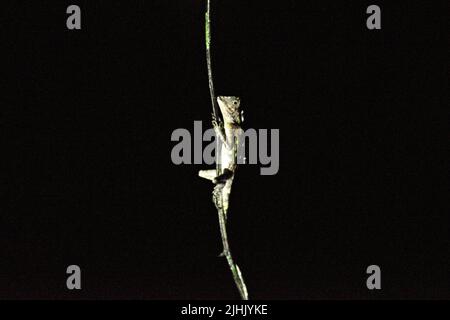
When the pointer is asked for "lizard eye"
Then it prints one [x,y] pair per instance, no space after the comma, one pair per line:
[235,102]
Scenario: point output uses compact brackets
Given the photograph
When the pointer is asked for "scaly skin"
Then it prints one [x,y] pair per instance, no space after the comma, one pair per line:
[229,135]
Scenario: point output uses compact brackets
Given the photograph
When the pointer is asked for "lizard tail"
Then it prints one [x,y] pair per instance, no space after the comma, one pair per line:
[217,197]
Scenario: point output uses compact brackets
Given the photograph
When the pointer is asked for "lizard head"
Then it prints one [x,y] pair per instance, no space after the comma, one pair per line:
[230,108]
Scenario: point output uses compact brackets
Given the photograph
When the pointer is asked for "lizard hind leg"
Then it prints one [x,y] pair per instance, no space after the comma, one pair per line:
[217,196]
[208,174]
[224,177]
[220,199]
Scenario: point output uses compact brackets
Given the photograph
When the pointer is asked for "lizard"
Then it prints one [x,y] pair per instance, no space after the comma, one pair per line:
[229,134]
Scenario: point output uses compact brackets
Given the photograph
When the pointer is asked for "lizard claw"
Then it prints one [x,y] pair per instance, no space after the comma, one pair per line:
[217,123]
[214,120]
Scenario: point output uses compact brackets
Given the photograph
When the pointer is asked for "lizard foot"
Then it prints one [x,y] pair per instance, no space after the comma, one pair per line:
[223,254]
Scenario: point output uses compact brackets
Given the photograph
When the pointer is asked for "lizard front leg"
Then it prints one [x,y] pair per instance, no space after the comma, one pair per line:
[220,131]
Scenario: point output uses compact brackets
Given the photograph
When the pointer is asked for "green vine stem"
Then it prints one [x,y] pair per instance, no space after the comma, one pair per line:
[237,275]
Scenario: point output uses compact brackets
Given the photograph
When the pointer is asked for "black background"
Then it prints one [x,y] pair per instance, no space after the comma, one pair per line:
[86,119]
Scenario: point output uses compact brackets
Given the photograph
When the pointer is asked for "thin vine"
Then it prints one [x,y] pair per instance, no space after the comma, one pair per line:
[236,272]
